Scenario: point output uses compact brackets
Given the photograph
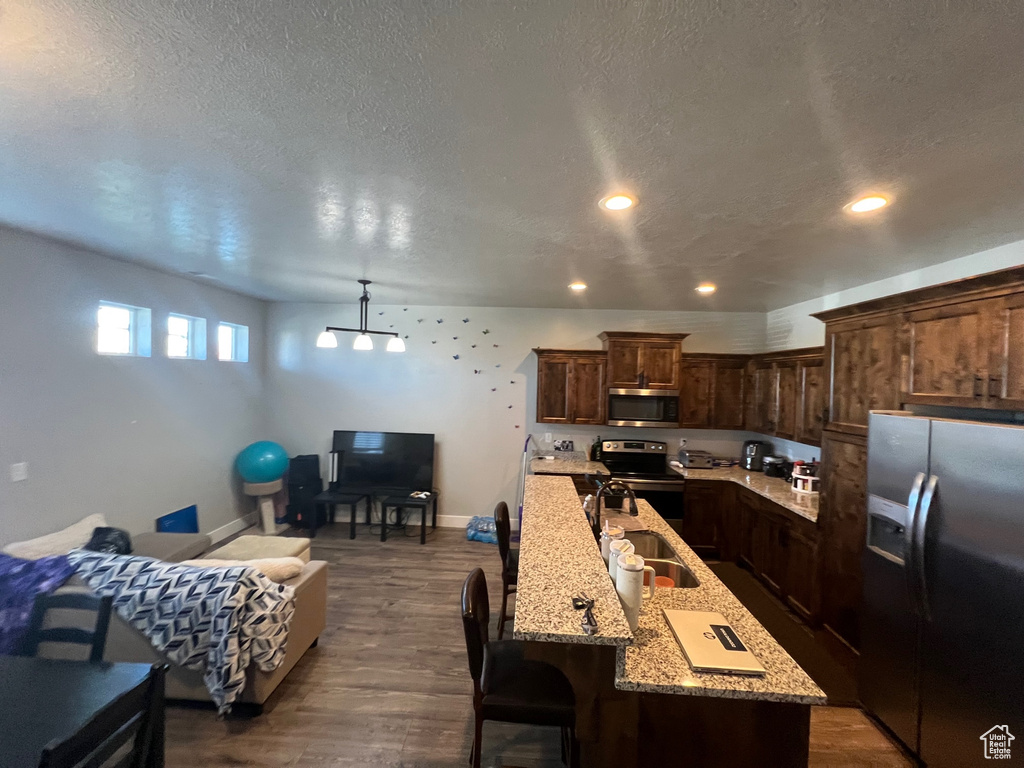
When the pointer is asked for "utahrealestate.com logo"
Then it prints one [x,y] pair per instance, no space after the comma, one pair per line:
[997,742]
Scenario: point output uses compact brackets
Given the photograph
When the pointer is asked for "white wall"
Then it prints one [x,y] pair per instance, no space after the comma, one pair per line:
[133,438]
[792,327]
[311,391]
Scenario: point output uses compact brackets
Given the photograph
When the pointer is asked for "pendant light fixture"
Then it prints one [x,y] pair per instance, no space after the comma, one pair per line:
[328,340]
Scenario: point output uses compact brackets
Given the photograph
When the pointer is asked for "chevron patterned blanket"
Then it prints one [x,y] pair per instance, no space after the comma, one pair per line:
[219,620]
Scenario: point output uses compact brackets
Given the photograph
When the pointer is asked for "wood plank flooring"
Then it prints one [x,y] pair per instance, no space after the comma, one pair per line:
[389,685]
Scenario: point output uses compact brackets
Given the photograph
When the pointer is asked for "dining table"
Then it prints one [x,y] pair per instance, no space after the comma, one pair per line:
[47,700]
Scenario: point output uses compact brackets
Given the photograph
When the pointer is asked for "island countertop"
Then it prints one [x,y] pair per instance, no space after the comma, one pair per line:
[572,463]
[655,663]
[559,558]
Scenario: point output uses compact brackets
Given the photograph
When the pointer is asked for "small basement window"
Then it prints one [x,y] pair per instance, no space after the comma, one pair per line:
[233,342]
[186,337]
[122,329]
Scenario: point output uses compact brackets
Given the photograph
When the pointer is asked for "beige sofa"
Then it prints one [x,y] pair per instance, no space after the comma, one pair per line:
[124,643]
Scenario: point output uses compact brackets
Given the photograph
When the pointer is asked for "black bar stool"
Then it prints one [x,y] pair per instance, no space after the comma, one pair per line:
[509,562]
[411,502]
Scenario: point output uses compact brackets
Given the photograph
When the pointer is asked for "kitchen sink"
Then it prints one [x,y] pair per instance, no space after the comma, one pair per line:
[680,575]
[651,545]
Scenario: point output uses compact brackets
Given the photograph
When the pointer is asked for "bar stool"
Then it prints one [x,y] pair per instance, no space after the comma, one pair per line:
[412,502]
[508,687]
[509,562]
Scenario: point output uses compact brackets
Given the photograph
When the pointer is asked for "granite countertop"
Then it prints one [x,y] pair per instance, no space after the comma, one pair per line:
[772,488]
[559,558]
[655,663]
[569,463]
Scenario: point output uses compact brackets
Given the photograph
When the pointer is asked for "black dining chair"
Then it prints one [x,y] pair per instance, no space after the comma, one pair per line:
[75,601]
[509,562]
[507,687]
[130,730]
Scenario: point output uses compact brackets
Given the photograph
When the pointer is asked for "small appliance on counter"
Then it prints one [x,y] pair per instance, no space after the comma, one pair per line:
[753,455]
[696,459]
[777,466]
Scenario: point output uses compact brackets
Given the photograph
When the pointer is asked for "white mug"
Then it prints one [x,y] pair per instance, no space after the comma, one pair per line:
[629,584]
[618,547]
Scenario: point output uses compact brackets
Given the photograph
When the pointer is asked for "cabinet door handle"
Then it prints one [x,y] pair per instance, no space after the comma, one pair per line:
[979,386]
[995,387]
[824,414]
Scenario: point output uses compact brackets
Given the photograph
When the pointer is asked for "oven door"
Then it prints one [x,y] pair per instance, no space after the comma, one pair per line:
[666,496]
[643,408]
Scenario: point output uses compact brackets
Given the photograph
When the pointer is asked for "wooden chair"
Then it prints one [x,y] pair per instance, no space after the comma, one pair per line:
[135,718]
[508,687]
[509,562]
[80,601]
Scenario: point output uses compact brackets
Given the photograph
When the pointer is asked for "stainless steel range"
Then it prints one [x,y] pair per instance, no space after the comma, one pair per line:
[643,466]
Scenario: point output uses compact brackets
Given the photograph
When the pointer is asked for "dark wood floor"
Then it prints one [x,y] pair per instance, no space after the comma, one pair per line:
[388,684]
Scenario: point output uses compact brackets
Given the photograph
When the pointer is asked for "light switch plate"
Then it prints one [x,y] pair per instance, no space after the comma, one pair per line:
[19,471]
[547,437]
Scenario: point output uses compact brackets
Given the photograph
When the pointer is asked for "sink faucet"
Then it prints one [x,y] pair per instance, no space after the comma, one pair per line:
[612,485]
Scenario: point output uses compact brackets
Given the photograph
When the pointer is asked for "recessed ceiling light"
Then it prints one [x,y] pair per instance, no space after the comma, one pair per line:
[578,286]
[617,202]
[871,203]
[706,289]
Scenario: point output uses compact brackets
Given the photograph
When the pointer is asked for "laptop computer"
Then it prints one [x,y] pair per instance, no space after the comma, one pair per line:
[710,644]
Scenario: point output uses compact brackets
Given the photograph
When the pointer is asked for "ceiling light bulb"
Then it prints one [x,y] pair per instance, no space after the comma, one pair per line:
[706,289]
[865,204]
[396,344]
[578,286]
[617,202]
[327,340]
[362,342]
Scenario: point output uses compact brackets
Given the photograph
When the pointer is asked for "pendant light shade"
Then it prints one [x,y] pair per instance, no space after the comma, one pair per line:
[327,340]
[362,342]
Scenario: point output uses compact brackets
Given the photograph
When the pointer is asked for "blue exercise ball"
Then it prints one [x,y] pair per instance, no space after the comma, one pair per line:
[262,462]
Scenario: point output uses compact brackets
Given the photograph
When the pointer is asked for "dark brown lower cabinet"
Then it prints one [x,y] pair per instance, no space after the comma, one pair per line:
[749,544]
[703,514]
[802,569]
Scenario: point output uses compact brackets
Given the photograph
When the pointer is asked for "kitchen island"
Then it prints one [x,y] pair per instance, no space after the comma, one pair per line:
[638,701]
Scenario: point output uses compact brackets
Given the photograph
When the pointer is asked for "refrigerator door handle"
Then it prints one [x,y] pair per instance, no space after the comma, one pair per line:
[920,530]
[913,501]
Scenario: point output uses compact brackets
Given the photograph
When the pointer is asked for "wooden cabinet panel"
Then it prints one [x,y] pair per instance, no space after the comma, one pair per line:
[695,388]
[861,365]
[773,558]
[702,517]
[763,393]
[588,391]
[1006,351]
[749,540]
[729,390]
[842,521]
[786,405]
[570,387]
[802,573]
[811,402]
[624,363]
[947,355]
[660,365]
[553,389]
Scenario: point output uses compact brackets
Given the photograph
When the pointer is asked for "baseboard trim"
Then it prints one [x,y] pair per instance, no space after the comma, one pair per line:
[229,529]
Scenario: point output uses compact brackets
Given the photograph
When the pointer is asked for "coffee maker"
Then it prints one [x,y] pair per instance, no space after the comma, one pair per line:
[753,455]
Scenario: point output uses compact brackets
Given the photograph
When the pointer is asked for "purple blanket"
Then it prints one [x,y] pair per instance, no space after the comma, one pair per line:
[20,582]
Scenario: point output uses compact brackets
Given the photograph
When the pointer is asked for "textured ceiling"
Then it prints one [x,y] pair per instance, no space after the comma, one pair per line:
[454,152]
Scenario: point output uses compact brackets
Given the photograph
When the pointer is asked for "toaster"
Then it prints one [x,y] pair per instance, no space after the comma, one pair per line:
[696,459]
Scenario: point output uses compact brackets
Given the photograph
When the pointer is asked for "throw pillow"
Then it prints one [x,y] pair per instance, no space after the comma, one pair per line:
[277,569]
[59,543]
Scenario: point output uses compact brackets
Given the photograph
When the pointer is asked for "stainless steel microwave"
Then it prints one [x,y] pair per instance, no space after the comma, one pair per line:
[643,407]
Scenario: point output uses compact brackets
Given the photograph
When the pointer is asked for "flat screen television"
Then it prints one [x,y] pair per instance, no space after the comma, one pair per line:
[383,460]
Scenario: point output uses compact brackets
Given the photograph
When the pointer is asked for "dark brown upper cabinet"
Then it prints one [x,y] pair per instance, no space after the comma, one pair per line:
[711,391]
[642,360]
[570,386]
[810,417]
[862,358]
[1006,361]
[785,394]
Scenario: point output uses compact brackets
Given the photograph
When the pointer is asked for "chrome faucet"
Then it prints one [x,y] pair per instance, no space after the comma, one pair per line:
[612,485]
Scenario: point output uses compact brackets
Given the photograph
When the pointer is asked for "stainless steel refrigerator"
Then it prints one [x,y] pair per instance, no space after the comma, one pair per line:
[942,650]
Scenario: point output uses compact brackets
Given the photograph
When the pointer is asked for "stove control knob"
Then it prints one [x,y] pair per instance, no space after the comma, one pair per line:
[615,445]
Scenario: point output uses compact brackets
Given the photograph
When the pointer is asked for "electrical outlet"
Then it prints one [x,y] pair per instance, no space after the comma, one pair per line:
[547,437]
[19,471]
[682,442]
